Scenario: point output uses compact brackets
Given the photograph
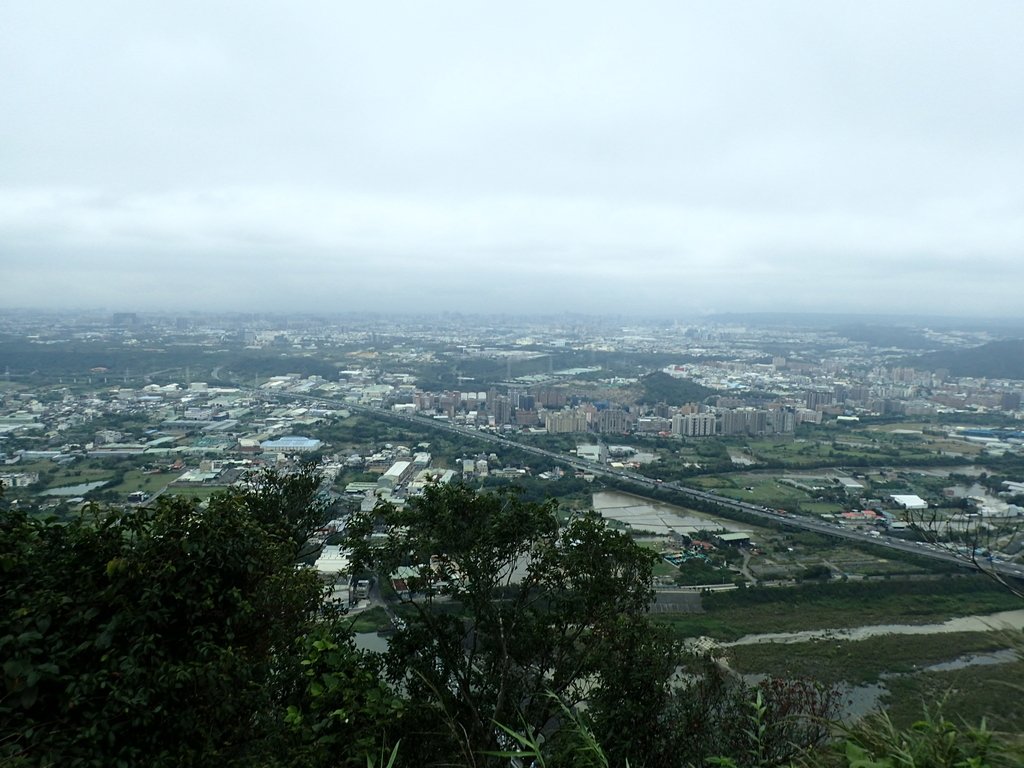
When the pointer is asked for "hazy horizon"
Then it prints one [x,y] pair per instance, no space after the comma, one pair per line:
[653,160]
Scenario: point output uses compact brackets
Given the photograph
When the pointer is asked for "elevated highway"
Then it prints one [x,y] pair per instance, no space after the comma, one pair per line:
[643,483]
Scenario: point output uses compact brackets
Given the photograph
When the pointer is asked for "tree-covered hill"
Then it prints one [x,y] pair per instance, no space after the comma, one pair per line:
[659,387]
[995,360]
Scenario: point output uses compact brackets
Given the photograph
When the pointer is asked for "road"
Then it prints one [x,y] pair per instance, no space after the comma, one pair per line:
[644,483]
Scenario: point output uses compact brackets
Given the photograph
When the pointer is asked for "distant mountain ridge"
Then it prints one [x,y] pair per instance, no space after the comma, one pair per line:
[995,360]
[1004,326]
[901,337]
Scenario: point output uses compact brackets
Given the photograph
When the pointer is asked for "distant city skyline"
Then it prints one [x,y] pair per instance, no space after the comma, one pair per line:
[661,160]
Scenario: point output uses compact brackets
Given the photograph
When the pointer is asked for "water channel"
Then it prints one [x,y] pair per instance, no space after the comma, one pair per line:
[1010,620]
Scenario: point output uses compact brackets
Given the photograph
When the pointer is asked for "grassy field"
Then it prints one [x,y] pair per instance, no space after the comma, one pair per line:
[995,693]
[854,561]
[77,476]
[830,446]
[731,615]
[195,491]
[756,489]
[33,466]
[823,507]
[766,490]
[860,661]
[787,554]
[371,620]
[957,446]
[661,568]
[137,480]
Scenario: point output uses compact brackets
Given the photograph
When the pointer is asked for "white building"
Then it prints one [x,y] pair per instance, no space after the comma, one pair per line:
[910,501]
[395,474]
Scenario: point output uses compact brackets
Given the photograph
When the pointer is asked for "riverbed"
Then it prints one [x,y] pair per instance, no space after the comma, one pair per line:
[1013,620]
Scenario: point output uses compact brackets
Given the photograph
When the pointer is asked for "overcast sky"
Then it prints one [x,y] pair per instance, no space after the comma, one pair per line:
[660,157]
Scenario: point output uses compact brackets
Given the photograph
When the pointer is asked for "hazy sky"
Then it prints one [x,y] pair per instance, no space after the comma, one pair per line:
[667,157]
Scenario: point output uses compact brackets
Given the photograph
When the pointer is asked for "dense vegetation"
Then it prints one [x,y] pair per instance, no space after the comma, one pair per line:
[31,361]
[177,636]
[995,360]
[186,635]
[661,388]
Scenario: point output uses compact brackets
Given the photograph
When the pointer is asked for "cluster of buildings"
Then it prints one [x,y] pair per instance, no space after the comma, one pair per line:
[765,382]
[170,420]
[569,408]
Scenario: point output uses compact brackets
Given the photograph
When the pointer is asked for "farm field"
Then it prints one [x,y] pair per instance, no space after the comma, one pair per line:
[195,491]
[138,480]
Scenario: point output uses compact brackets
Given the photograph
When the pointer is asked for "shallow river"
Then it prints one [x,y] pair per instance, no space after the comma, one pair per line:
[992,621]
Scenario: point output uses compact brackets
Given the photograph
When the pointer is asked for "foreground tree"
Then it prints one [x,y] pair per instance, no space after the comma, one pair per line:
[974,540]
[523,630]
[184,634]
[173,635]
[934,741]
[510,611]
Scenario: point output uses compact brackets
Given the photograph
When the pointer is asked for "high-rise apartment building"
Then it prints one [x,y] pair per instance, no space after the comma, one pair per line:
[565,422]
[611,420]
[694,424]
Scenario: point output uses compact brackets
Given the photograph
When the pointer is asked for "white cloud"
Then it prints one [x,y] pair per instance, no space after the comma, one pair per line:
[745,156]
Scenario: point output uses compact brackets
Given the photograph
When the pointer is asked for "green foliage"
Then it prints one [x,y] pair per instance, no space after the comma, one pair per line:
[977,589]
[163,635]
[696,572]
[931,742]
[535,490]
[345,711]
[996,359]
[518,619]
[286,507]
[815,605]
[717,717]
[574,743]
[181,635]
[860,662]
[387,759]
[712,720]
[661,388]
[757,735]
[123,629]
[992,692]
[511,603]
[820,572]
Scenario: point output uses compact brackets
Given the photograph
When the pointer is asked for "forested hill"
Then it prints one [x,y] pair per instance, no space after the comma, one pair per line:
[995,360]
[661,388]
